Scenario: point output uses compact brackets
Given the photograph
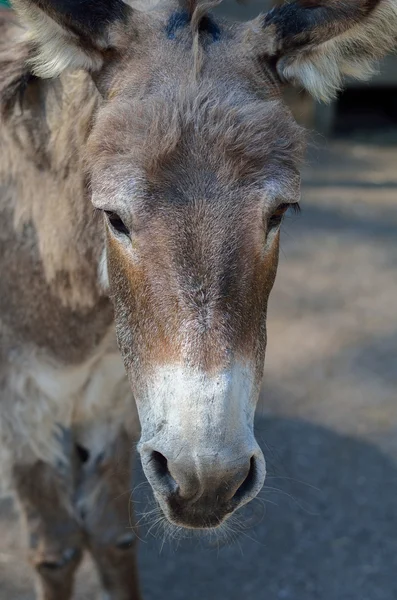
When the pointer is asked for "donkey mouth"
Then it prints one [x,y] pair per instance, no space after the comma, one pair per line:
[207,512]
[199,516]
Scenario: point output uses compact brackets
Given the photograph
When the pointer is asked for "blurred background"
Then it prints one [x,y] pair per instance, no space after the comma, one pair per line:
[325,526]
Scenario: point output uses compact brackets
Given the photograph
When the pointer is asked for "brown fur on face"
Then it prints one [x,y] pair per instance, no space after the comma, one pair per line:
[194,289]
[195,170]
[194,292]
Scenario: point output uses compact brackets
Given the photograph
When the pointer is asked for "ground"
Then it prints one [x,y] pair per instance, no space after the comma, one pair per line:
[325,527]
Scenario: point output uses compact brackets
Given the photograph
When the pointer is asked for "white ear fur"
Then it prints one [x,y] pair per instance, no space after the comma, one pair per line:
[321,68]
[59,49]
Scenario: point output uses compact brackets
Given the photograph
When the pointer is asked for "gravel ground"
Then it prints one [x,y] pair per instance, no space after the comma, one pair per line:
[325,526]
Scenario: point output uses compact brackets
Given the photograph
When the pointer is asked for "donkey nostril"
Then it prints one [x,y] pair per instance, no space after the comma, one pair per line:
[248,483]
[159,474]
[160,464]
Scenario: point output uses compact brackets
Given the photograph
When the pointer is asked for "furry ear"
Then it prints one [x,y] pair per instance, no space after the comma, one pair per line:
[316,43]
[70,33]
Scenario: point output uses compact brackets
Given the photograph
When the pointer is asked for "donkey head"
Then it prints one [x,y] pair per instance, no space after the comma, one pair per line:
[194,159]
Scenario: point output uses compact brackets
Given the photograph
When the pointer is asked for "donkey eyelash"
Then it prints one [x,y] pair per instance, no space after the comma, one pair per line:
[295,208]
[276,218]
[284,207]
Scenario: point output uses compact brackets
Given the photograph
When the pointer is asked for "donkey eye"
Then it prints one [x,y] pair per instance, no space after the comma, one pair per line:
[276,218]
[117,223]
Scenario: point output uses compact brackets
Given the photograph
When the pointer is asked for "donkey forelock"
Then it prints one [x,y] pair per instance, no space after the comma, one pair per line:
[242,137]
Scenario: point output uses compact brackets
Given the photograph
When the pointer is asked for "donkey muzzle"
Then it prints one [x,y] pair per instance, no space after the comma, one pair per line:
[200,492]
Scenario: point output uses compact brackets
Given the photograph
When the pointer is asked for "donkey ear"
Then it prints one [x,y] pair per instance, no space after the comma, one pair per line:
[315,43]
[70,33]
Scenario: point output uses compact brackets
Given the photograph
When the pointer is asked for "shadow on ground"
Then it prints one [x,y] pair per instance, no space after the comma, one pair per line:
[325,527]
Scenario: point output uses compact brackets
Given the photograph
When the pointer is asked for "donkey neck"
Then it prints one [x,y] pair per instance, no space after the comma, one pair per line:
[43,140]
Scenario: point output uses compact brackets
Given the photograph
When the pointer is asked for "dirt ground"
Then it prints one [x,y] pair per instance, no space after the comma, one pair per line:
[325,527]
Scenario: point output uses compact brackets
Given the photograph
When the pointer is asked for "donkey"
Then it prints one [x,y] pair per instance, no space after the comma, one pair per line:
[171,124]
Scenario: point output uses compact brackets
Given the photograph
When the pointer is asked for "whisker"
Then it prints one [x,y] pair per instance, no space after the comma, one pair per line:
[133,526]
[272,489]
[156,522]
[123,494]
[309,485]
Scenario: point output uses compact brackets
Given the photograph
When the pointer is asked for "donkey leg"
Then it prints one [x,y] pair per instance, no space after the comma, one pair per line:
[105,507]
[55,541]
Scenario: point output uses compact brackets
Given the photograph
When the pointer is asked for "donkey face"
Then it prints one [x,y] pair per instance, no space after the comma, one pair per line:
[194,181]
[194,160]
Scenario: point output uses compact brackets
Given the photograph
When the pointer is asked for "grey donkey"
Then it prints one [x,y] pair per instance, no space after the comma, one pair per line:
[147,161]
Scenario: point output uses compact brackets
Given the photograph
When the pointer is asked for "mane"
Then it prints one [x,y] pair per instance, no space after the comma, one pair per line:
[198,10]
[201,6]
